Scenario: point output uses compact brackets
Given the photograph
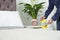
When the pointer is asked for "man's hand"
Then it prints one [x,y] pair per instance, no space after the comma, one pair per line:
[50,21]
[42,18]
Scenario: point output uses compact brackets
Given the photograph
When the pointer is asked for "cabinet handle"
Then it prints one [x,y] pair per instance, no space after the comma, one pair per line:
[4,0]
[0,5]
[11,0]
[7,6]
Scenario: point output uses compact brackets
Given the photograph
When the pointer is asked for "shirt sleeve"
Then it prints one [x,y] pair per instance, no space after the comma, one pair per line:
[57,14]
[50,8]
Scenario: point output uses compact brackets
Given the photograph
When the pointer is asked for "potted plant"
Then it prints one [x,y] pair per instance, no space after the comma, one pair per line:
[32,10]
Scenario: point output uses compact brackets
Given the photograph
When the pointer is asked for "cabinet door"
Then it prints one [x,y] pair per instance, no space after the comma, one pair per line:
[2,6]
[8,5]
[5,1]
[0,1]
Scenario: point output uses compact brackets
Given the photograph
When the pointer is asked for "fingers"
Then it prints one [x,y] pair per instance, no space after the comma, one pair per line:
[50,21]
[42,18]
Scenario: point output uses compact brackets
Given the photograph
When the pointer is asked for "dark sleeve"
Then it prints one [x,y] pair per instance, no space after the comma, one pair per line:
[50,8]
[57,14]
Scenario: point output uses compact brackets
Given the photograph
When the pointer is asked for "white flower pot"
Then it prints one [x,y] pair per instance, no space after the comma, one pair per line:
[34,22]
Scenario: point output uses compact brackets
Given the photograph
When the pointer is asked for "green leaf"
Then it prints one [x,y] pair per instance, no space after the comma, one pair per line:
[24,10]
[28,6]
[20,3]
[41,3]
[32,11]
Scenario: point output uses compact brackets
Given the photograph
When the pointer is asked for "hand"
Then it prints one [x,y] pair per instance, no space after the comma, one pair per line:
[42,18]
[50,21]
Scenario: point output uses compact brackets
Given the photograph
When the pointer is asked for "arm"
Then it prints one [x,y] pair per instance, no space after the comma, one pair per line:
[57,14]
[50,8]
